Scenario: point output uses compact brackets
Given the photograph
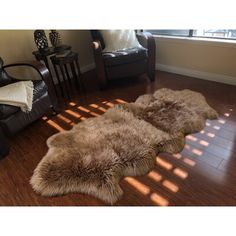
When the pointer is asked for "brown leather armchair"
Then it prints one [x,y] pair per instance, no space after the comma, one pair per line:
[124,63]
[12,119]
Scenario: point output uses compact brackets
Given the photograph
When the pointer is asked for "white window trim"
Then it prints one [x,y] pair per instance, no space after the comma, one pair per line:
[197,40]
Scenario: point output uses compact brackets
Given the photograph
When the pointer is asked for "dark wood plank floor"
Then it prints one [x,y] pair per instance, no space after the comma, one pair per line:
[204,173]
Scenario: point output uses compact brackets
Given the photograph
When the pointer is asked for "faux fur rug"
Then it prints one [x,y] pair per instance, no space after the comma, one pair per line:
[95,154]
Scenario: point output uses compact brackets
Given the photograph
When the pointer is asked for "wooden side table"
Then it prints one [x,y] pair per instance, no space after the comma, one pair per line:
[69,68]
[4,145]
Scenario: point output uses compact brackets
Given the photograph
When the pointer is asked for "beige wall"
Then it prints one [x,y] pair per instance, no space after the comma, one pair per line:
[218,58]
[17,45]
[80,40]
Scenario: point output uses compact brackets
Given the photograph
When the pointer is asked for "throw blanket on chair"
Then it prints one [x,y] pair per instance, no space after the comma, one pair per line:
[18,94]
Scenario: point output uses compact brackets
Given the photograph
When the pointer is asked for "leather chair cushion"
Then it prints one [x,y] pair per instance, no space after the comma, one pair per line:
[7,110]
[40,89]
[126,56]
[126,70]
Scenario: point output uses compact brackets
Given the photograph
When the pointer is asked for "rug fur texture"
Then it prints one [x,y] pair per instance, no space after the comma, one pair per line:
[95,154]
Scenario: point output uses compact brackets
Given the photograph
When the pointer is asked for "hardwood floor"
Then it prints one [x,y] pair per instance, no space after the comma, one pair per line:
[204,173]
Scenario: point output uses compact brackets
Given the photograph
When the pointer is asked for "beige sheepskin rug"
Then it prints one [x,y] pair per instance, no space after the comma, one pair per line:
[95,154]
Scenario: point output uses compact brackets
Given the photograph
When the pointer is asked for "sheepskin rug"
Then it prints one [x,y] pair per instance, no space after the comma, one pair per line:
[95,154]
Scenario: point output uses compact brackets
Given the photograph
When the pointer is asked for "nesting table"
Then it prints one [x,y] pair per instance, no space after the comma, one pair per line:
[66,68]
[69,69]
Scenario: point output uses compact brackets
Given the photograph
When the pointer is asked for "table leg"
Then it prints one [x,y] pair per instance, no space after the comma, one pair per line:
[80,76]
[64,80]
[74,74]
[67,74]
[58,80]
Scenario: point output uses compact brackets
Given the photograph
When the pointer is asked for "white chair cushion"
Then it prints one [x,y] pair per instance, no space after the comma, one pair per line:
[119,40]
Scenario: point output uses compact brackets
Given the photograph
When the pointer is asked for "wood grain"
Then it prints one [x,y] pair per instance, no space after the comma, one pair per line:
[202,174]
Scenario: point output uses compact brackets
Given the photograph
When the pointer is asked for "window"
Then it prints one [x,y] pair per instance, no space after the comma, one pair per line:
[204,33]
[170,32]
[215,33]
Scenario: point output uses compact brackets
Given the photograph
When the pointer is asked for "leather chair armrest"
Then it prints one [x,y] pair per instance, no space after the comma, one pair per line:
[97,50]
[45,76]
[147,40]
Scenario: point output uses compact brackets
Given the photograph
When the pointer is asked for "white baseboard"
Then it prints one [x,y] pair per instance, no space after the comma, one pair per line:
[183,71]
[197,74]
[87,67]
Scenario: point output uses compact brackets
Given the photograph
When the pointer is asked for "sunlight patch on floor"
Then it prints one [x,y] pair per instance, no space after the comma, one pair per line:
[159,200]
[197,151]
[221,121]
[155,176]
[142,188]
[163,163]
[66,120]
[87,111]
[192,138]
[93,105]
[171,186]
[180,173]
[44,118]
[186,146]
[73,113]
[98,107]
[120,101]
[55,125]
[211,135]
[204,143]
[109,104]
[83,109]
[189,161]
[177,155]
[72,104]
[216,127]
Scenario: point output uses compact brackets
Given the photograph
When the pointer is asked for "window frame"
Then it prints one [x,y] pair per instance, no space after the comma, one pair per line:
[191,35]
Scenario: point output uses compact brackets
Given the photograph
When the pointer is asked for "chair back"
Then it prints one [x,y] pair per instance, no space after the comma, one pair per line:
[4,77]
